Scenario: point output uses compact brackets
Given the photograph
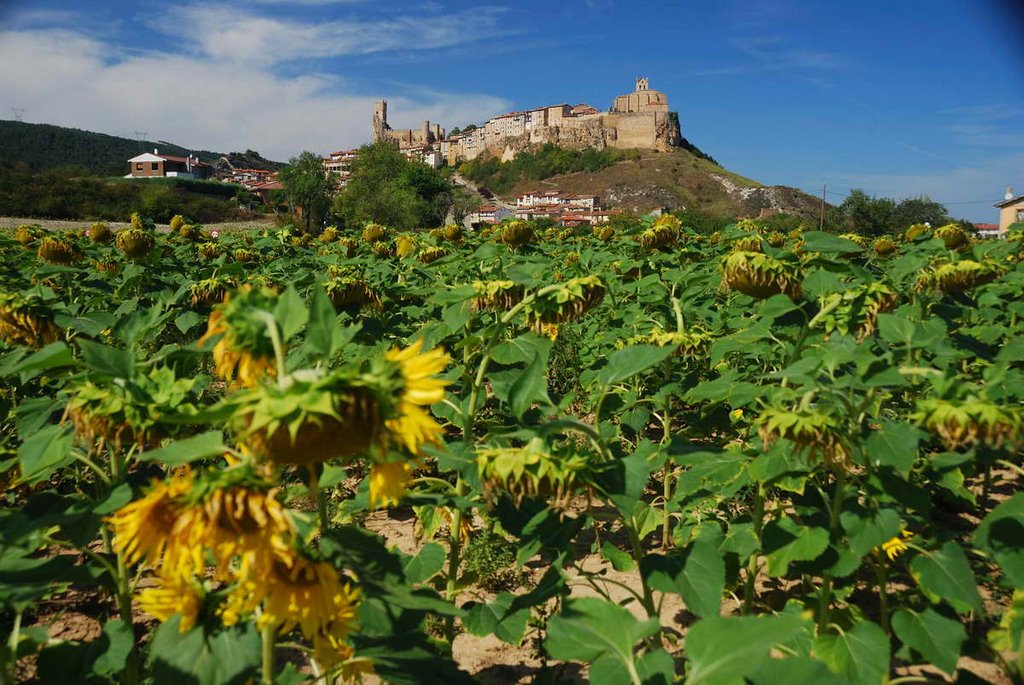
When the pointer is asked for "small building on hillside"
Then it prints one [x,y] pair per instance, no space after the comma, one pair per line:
[154,165]
[1011,210]
[988,230]
[487,215]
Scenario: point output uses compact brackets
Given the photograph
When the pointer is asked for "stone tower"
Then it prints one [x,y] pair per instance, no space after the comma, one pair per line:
[642,83]
[380,120]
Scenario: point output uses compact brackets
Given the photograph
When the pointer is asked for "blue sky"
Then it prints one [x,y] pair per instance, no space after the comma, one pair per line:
[899,98]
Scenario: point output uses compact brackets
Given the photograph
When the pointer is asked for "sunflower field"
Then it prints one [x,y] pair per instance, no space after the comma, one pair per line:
[634,455]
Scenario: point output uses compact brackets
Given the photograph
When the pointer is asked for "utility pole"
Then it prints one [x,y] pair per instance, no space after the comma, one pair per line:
[821,222]
[19,113]
[141,136]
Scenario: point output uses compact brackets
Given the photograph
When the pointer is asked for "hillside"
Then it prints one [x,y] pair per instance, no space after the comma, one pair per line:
[678,179]
[44,146]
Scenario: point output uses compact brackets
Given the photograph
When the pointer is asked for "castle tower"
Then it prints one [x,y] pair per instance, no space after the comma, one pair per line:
[380,120]
[642,83]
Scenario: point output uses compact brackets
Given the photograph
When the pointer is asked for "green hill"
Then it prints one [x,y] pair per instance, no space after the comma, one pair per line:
[44,146]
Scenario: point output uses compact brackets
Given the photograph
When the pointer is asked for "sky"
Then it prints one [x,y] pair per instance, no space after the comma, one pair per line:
[900,98]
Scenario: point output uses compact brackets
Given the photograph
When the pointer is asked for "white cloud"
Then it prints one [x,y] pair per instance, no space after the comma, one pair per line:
[202,102]
[229,33]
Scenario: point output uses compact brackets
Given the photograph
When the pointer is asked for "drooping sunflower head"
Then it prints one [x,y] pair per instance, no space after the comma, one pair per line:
[57,251]
[497,296]
[759,275]
[190,232]
[857,238]
[384,249]
[775,239]
[693,344]
[244,255]
[516,234]
[329,235]
[388,482]
[138,223]
[25,320]
[245,349]
[949,278]
[174,594]
[177,221]
[814,433]
[917,231]
[884,246]
[210,250]
[452,233]
[135,242]
[534,470]
[99,232]
[566,302]
[748,243]
[603,233]
[348,246]
[952,235]
[969,422]
[374,233]
[210,291]
[316,417]
[431,254]
[28,234]
[405,246]
[663,233]
[855,311]
[346,287]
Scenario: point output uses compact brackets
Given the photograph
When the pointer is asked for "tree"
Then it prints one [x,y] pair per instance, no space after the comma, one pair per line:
[307,187]
[920,210]
[388,189]
[464,203]
[868,215]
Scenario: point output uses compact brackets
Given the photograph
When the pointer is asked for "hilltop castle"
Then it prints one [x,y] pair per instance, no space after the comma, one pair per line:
[640,119]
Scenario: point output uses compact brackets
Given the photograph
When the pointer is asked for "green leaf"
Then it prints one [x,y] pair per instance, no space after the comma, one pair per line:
[186,321]
[230,656]
[861,653]
[697,573]
[52,356]
[530,386]
[795,671]
[946,574]
[46,451]
[819,241]
[867,532]
[630,361]
[786,541]
[896,329]
[202,446]
[106,360]
[620,561]
[1002,534]
[290,313]
[423,566]
[589,628]
[120,641]
[726,649]
[74,662]
[895,445]
[322,323]
[497,618]
[935,637]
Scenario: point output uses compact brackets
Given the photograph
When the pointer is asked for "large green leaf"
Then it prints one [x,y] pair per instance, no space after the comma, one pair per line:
[202,446]
[46,451]
[861,654]
[290,312]
[72,662]
[497,618]
[229,656]
[426,563]
[1002,534]
[630,361]
[725,649]
[320,333]
[786,541]
[932,635]
[106,360]
[945,574]
[589,628]
[895,445]
[819,241]
[697,573]
[529,387]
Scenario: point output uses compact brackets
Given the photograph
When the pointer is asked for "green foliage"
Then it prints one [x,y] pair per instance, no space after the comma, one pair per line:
[534,165]
[491,560]
[868,215]
[385,188]
[307,187]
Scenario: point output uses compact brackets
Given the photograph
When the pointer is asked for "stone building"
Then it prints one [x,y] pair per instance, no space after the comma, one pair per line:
[426,134]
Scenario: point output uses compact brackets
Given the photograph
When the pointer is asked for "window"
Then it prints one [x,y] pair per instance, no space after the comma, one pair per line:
[155,166]
[1020,215]
[138,166]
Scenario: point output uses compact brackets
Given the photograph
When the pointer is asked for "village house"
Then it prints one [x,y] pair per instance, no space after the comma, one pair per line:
[487,215]
[155,165]
[1011,210]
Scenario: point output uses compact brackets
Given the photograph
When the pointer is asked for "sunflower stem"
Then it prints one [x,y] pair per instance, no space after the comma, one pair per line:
[826,584]
[757,518]
[130,674]
[454,553]
[9,656]
[882,578]
[268,635]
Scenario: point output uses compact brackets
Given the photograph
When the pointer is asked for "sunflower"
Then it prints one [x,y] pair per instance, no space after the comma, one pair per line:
[99,232]
[297,592]
[143,529]
[567,302]
[374,233]
[244,521]
[25,321]
[516,234]
[531,471]
[57,251]
[813,432]
[245,351]
[173,594]
[413,426]
[388,482]
[897,545]
[431,254]
[759,275]
[134,242]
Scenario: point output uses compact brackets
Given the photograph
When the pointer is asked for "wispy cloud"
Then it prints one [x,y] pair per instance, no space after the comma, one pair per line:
[775,54]
[227,33]
[987,125]
[202,101]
